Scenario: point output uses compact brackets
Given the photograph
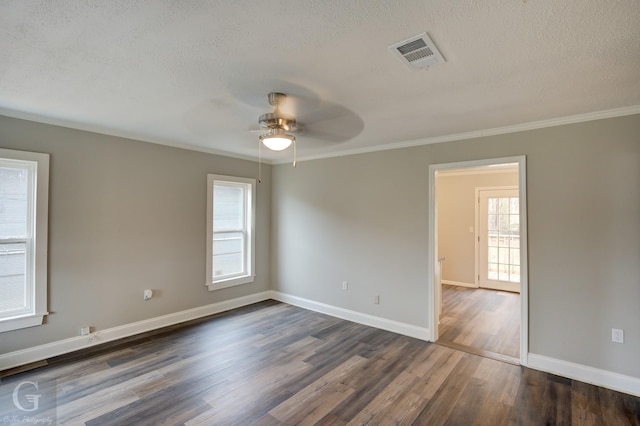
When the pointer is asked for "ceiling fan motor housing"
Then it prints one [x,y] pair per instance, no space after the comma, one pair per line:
[276,119]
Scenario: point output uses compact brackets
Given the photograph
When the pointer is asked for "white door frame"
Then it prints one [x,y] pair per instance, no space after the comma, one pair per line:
[432,249]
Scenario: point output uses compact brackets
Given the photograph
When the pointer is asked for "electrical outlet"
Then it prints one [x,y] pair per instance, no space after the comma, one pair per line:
[345,285]
[93,337]
[617,335]
[147,294]
[376,299]
[85,330]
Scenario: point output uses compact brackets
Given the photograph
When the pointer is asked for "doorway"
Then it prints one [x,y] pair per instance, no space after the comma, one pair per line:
[503,248]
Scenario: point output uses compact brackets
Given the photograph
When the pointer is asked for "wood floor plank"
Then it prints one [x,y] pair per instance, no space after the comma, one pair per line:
[373,377]
[501,386]
[481,318]
[252,411]
[533,402]
[94,382]
[241,387]
[435,376]
[319,397]
[445,400]
[276,364]
[179,403]
[480,352]
[619,409]
[81,410]
[436,364]
[266,420]
[470,402]
[397,403]
[240,384]
[585,405]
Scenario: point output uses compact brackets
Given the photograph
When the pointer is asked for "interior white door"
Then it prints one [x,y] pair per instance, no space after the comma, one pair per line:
[499,239]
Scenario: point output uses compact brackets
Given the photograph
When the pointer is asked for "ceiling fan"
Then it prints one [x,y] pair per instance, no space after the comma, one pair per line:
[324,122]
[277,125]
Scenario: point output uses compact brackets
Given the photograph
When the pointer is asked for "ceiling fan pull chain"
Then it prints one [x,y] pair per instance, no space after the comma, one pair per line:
[294,153]
[259,161]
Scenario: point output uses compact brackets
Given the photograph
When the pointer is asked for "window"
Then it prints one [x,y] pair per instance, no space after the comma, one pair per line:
[499,239]
[24,196]
[230,231]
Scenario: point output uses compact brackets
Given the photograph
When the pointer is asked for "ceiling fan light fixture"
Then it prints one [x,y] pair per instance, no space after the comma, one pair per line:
[277,140]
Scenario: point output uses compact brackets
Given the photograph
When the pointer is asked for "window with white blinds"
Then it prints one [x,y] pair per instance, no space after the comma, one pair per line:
[230,230]
[24,180]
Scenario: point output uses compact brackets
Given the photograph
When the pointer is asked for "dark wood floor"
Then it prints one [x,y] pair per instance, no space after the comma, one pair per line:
[488,320]
[273,364]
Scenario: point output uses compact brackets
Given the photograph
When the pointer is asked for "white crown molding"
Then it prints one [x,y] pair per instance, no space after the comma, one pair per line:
[583,373]
[102,130]
[591,116]
[598,115]
[60,347]
[346,314]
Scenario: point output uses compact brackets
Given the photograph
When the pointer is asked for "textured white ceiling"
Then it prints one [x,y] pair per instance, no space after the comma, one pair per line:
[196,74]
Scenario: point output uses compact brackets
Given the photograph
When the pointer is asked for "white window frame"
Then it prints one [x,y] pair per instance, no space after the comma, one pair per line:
[248,275]
[36,240]
[481,264]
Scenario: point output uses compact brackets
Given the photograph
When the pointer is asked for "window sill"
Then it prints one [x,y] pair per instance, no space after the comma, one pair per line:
[230,282]
[10,324]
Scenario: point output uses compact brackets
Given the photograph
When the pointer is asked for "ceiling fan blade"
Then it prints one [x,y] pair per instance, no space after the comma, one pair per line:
[331,123]
[210,115]
[255,95]
[235,115]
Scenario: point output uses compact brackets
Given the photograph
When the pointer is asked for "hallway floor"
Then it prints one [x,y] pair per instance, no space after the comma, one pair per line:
[483,319]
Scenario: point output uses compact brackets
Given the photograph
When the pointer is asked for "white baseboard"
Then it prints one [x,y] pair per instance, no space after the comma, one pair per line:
[60,347]
[595,376]
[366,319]
[603,378]
[583,373]
[459,284]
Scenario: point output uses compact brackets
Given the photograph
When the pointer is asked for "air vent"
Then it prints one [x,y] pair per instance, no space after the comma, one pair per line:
[418,52]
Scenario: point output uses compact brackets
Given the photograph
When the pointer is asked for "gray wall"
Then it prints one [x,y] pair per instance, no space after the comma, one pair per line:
[456,205]
[363,219]
[126,215]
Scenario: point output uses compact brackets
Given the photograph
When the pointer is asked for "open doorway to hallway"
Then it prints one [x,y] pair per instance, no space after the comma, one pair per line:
[480,257]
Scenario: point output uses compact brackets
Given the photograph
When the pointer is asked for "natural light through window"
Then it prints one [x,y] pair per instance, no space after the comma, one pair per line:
[503,239]
[24,180]
[230,230]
